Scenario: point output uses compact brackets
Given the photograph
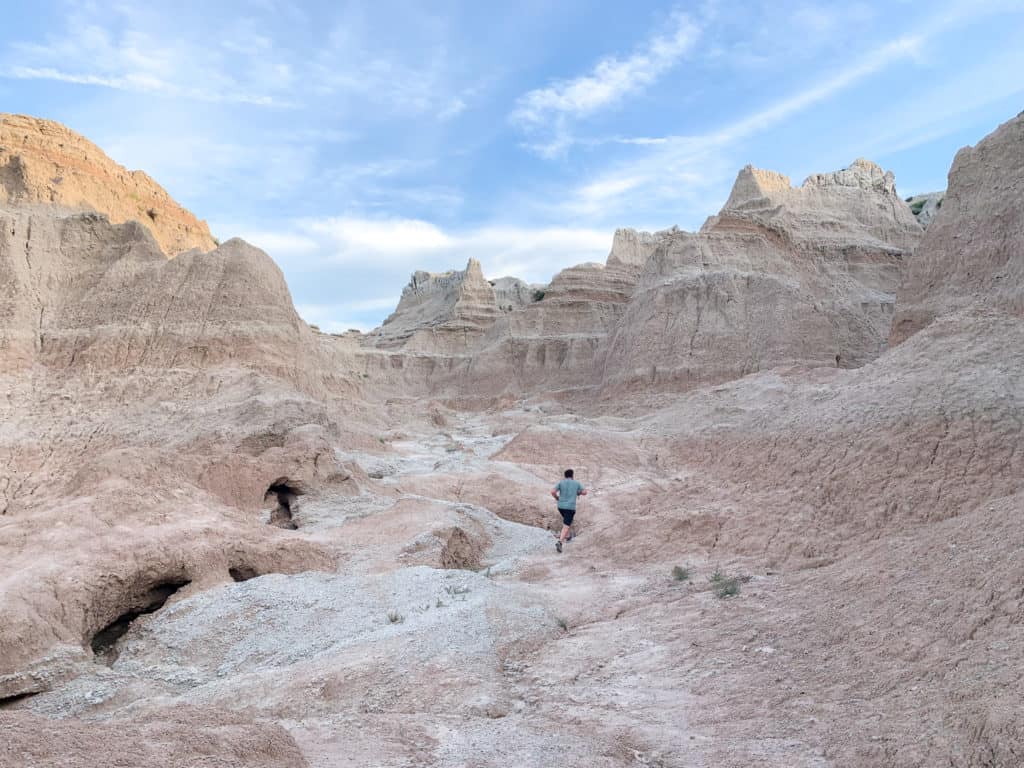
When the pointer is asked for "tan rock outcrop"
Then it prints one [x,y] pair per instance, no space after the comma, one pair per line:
[781,276]
[43,162]
[441,312]
[973,254]
[156,415]
[634,248]
[80,291]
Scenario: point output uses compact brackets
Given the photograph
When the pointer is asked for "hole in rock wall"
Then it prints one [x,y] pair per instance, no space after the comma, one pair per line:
[12,701]
[243,573]
[104,643]
[287,494]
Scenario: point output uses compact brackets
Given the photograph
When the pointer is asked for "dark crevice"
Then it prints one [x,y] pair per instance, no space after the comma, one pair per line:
[243,573]
[12,701]
[104,643]
[287,494]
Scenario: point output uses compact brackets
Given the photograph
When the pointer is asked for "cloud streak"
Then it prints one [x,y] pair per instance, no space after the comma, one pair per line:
[697,160]
[532,253]
[610,82]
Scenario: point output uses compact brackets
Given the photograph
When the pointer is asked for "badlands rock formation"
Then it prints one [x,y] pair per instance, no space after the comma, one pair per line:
[447,311]
[782,276]
[43,162]
[812,565]
[926,207]
[971,253]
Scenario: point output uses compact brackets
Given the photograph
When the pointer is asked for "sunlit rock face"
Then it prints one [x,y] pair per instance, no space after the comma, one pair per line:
[44,162]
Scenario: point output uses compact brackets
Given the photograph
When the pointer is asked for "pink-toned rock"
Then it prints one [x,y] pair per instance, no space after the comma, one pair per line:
[43,162]
[973,253]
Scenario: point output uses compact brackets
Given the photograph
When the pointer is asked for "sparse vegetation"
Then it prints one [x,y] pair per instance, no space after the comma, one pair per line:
[562,623]
[917,207]
[314,327]
[440,603]
[681,573]
[538,294]
[456,589]
[394,617]
[725,586]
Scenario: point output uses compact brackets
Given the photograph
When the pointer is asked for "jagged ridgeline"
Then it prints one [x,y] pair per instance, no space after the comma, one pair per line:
[228,539]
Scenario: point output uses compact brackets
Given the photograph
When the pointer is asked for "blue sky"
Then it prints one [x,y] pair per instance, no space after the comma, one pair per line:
[358,141]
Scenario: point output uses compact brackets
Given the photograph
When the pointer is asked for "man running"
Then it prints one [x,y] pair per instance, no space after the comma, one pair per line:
[565,493]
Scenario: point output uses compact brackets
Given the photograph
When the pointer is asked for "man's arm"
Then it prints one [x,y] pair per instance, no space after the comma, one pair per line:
[554,494]
[583,492]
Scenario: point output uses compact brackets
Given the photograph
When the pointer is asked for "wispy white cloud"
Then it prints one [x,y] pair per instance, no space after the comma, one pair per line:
[698,161]
[142,83]
[347,246]
[549,109]
[611,80]
[127,54]
[532,253]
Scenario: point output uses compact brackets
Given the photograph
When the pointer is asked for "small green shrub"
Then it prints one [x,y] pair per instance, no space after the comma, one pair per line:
[562,623]
[725,586]
[728,588]
[314,327]
[917,207]
[538,295]
[394,617]
[681,573]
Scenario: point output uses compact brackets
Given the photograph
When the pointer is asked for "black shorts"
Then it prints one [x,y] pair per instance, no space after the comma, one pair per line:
[567,515]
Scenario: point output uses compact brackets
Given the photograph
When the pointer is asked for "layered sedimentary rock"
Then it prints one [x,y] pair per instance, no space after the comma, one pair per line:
[43,162]
[866,519]
[973,254]
[511,293]
[781,276]
[80,291]
[444,312]
[634,248]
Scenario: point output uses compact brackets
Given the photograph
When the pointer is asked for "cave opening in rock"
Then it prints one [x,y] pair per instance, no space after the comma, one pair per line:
[12,701]
[287,494]
[105,642]
[243,573]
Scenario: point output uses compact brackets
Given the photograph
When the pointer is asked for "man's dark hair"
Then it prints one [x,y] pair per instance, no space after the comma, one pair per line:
[568,473]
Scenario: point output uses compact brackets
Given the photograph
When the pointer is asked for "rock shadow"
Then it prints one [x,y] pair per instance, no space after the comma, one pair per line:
[287,493]
[105,643]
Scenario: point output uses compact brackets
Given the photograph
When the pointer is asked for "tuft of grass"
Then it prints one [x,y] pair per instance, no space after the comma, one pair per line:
[394,617]
[681,573]
[725,586]
[562,623]
[381,440]
[440,603]
[457,589]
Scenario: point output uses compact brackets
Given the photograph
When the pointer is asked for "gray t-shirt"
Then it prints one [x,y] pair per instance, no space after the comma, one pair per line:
[568,489]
